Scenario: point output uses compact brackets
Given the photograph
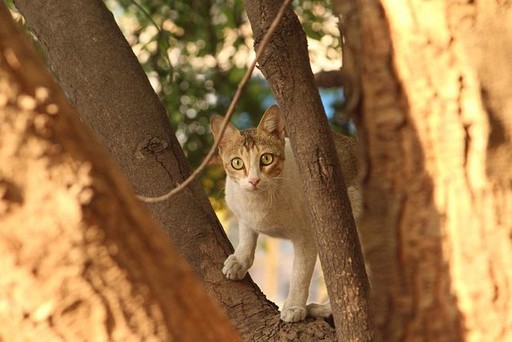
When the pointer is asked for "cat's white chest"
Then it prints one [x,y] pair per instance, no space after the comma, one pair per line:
[276,217]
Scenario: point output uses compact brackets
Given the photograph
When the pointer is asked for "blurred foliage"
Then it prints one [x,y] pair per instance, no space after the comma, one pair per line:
[195,53]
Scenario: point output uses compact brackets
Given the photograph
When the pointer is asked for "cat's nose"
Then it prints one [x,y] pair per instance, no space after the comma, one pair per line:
[254,181]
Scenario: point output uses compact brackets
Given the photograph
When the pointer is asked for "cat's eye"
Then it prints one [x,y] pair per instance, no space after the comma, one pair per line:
[237,163]
[266,159]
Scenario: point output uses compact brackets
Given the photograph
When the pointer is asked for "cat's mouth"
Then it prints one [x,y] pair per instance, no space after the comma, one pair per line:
[253,188]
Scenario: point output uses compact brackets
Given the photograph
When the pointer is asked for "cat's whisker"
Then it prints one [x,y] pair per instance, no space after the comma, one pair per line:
[280,178]
[221,191]
[273,194]
[279,195]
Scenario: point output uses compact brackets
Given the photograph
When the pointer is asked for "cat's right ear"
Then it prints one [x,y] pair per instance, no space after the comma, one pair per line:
[230,133]
[272,122]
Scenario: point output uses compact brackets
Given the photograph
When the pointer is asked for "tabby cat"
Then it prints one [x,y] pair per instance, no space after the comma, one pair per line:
[264,191]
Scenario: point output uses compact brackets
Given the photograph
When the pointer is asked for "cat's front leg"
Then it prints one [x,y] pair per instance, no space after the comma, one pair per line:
[294,308]
[237,264]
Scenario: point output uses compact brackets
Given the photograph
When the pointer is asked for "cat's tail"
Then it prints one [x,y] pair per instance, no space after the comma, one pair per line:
[319,310]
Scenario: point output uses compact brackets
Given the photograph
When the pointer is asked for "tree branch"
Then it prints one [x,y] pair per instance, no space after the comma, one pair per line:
[286,66]
[341,79]
[331,79]
[349,26]
[98,265]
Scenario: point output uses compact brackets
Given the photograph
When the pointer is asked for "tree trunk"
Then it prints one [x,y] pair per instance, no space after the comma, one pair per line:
[103,79]
[437,230]
[285,64]
[81,257]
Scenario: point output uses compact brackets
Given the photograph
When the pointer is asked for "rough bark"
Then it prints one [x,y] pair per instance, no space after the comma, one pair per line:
[285,64]
[103,79]
[472,25]
[437,227]
[81,258]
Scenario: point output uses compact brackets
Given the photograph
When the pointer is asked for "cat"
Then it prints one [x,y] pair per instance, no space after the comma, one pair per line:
[264,192]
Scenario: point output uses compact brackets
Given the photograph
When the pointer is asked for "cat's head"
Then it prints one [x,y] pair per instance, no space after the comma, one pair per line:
[253,158]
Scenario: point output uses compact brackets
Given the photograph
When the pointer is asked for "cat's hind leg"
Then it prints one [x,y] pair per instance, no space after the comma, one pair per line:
[294,308]
[319,310]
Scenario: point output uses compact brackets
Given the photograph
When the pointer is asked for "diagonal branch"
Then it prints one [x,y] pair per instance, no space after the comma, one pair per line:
[287,69]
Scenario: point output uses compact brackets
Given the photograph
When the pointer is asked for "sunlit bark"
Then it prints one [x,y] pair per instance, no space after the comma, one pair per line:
[438,195]
[81,257]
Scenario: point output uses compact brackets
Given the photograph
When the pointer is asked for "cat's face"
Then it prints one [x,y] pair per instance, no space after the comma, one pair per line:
[253,158]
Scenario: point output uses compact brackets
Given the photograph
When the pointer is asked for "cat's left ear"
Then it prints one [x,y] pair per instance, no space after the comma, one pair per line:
[230,133]
[272,122]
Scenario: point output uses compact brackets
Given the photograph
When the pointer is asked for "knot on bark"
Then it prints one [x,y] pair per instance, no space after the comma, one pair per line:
[151,146]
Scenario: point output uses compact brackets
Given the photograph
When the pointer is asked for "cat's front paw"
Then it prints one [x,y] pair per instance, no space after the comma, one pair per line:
[234,269]
[293,314]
